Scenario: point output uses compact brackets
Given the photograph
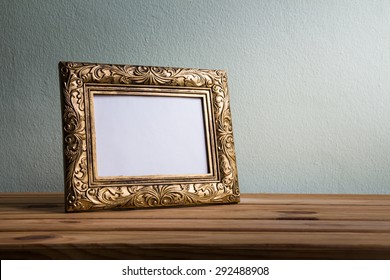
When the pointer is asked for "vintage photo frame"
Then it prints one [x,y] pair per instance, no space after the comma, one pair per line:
[177,119]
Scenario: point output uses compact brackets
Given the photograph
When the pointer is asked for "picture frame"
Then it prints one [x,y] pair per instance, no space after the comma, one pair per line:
[144,136]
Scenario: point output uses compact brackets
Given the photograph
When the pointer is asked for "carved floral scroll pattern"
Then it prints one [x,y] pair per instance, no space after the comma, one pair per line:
[82,197]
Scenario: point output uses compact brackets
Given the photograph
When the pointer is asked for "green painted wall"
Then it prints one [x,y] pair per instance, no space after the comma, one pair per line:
[309,80]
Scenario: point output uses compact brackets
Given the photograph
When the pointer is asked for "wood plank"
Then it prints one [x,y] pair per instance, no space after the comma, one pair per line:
[200,252]
[248,199]
[174,225]
[195,245]
[189,252]
[269,226]
[351,240]
[234,211]
[314,199]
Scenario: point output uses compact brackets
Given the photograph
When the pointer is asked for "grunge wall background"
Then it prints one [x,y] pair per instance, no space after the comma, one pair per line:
[309,82]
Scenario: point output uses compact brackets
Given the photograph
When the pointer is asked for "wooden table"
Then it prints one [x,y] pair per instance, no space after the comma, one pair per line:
[262,226]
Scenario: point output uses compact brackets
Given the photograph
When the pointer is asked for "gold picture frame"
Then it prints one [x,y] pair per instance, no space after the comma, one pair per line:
[87,89]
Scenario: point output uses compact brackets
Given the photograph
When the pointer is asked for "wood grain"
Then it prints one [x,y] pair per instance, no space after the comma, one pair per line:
[269,226]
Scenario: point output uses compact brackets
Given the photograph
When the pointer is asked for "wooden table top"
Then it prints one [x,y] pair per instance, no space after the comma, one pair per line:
[262,226]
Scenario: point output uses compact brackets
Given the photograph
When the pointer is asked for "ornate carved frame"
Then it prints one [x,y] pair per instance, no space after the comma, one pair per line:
[82,190]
